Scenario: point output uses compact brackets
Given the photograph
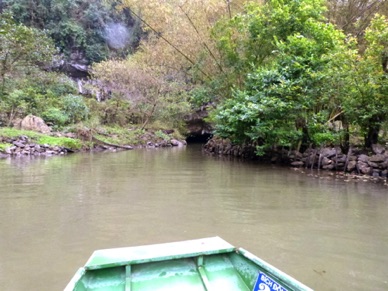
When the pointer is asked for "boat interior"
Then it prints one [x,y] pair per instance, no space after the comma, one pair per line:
[215,272]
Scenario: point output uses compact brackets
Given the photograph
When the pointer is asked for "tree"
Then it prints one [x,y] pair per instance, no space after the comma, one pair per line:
[354,16]
[248,40]
[175,55]
[22,49]
[364,79]
[26,86]
[82,29]
[179,35]
[151,97]
[283,101]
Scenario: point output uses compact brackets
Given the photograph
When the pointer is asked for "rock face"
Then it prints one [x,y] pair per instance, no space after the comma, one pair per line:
[34,123]
[76,66]
[196,124]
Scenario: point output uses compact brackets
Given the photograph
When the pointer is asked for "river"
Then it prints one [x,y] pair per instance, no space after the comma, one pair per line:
[54,212]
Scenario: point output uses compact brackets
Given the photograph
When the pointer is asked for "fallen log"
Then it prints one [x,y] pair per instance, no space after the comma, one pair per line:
[96,140]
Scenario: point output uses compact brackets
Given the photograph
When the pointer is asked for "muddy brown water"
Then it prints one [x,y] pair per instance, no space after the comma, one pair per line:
[54,212]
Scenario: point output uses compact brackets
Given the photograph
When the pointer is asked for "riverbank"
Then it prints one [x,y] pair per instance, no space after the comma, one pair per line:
[19,143]
[356,162]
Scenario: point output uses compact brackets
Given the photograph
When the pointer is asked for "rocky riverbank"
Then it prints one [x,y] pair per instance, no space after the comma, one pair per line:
[356,161]
[26,136]
[23,146]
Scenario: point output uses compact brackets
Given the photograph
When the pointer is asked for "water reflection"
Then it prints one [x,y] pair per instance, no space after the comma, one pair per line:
[54,212]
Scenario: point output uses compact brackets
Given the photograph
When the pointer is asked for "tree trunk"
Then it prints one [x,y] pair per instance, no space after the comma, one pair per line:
[372,136]
[345,144]
[148,117]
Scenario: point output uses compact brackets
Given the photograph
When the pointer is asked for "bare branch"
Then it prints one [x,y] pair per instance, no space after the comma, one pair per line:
[169,43]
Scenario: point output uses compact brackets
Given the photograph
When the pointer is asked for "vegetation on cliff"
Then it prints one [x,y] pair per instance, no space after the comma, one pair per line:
[88,31]
[290,74]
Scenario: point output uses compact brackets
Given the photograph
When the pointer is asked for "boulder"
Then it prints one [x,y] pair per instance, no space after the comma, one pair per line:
[363,158]
[326,161]
[35,123]
[16,123]
[297,164]
[351,166]
[378,149]
[3,156]
[379,158]
[353,158]
[19,144]
[364,168]
[376,173]
[329,152]
[373,165]
[340,158]
[328,167]
[177,143]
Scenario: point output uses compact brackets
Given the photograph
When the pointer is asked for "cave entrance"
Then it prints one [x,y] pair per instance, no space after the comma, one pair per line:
[198,138]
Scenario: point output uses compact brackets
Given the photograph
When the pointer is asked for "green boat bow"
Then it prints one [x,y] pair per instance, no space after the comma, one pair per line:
[203,264]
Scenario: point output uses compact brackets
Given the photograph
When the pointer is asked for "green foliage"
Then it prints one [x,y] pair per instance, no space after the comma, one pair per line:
[69,109]
[70,143]
[363,80]
[200,95]
[251,39]
[281,97]
[325,138]
[4,146]
[120,135]
[69,34]
[113,111]
[48,95]
[22,50]
[258,118]
[75,108]
[55,116]
[172,110]
[162,135]
[76,26]
[283,75]
[25,88]
[144,94]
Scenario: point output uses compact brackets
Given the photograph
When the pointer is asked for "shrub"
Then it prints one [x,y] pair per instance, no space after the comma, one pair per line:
[75,108]
[55,116]
[60,141]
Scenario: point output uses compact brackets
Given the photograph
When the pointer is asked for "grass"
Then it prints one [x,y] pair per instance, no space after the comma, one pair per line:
[162,135]
[71,143]
[11,133]
[119,135]
[133,136]
[40,138]
[4,146]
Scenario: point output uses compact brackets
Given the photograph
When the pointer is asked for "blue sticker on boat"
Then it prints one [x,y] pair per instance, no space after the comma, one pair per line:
[266,283]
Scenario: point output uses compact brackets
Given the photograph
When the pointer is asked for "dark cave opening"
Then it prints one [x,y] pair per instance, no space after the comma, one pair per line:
[198,138]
